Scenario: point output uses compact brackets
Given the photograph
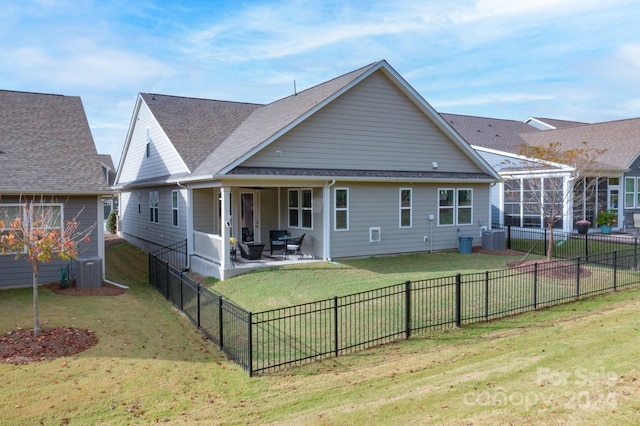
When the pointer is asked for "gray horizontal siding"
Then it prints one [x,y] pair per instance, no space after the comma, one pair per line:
[378,206]
[138,225]
[374,126]
[18,272]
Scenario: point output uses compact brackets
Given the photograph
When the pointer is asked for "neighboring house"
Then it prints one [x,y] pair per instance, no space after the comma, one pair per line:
[109,202]
[47,153]
[361,164]
[615,173]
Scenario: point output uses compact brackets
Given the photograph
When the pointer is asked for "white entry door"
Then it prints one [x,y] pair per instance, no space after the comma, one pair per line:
[250,216]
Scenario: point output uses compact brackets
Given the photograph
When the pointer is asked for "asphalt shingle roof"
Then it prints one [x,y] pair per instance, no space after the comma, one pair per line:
[620,138]
[46,146]
[197,127]
[492,133]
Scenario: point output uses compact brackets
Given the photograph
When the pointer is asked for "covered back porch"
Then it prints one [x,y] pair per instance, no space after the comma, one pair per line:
[226,221]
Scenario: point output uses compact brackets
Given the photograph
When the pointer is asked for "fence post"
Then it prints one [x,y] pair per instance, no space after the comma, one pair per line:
[535,286]
[486,295]
[615,270]
[220,325]
[458,298]
[250,344]
[198,302]
[509,237]
[635,254]
[578,278]
[335,325]
[407,309]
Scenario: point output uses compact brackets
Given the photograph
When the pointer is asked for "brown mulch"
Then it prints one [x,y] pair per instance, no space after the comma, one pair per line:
[559,269]
[21,347]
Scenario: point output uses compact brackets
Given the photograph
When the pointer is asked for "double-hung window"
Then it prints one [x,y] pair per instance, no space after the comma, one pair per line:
[174,208]
[301,208]
[11,218]
[154,206]
[632,192]
[341,209]
[405,208]
[455,206]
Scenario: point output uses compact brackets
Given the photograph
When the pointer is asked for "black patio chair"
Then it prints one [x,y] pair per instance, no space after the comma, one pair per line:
[276,242]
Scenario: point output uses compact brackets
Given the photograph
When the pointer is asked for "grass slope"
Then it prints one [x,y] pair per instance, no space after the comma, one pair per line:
[574,364]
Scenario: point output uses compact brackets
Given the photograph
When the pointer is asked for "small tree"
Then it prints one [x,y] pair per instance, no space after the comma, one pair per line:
[34,231]
[112,222]
[549,196]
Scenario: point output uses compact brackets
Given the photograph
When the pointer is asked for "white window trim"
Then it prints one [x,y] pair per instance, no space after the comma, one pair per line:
[21,207]
[154,210]
[175,209]
[61,227]
[303,208]
[337,209]
[633,192]
[400,208]
[456,208]
[296,208]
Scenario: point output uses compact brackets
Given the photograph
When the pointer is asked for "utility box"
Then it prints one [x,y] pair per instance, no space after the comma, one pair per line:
[89,273]
[493,239]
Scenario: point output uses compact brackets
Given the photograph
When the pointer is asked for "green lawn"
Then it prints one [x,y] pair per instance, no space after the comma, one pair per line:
[572,365]
[278,287]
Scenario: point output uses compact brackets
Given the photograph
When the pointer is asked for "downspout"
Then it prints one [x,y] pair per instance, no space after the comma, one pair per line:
[189,225]
[326,217]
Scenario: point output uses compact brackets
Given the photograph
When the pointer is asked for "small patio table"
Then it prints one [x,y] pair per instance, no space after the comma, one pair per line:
[286,240]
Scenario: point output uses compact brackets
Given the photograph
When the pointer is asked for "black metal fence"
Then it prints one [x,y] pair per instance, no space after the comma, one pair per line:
[566,245]
[174,254]
[269,340]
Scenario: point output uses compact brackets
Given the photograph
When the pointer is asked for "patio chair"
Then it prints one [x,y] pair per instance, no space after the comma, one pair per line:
[276,242]
[293,246]
[251,251]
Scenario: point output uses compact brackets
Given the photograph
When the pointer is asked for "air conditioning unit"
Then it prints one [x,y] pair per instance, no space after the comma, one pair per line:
[89,273]
[493,239]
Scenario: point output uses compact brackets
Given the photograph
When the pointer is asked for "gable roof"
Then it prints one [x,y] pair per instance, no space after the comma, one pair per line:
[197,127]
[274,119]
[214,137]
[46,146]
[620,138]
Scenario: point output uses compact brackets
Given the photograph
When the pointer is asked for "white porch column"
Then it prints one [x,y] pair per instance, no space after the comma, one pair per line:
[567,214]
[225,217]
[326,220]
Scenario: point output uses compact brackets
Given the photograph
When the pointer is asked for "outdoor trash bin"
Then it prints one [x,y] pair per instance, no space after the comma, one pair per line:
[464,244]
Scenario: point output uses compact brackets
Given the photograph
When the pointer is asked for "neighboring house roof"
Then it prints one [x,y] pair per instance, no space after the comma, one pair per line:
[551,123]
[620,138]
[107,162]
[493,133]
[46,146]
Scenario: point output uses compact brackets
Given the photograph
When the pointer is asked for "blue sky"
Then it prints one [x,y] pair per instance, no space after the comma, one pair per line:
[567,59]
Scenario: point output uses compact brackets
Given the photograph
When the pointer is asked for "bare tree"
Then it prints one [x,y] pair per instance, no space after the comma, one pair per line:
[33,230]
[546,191]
